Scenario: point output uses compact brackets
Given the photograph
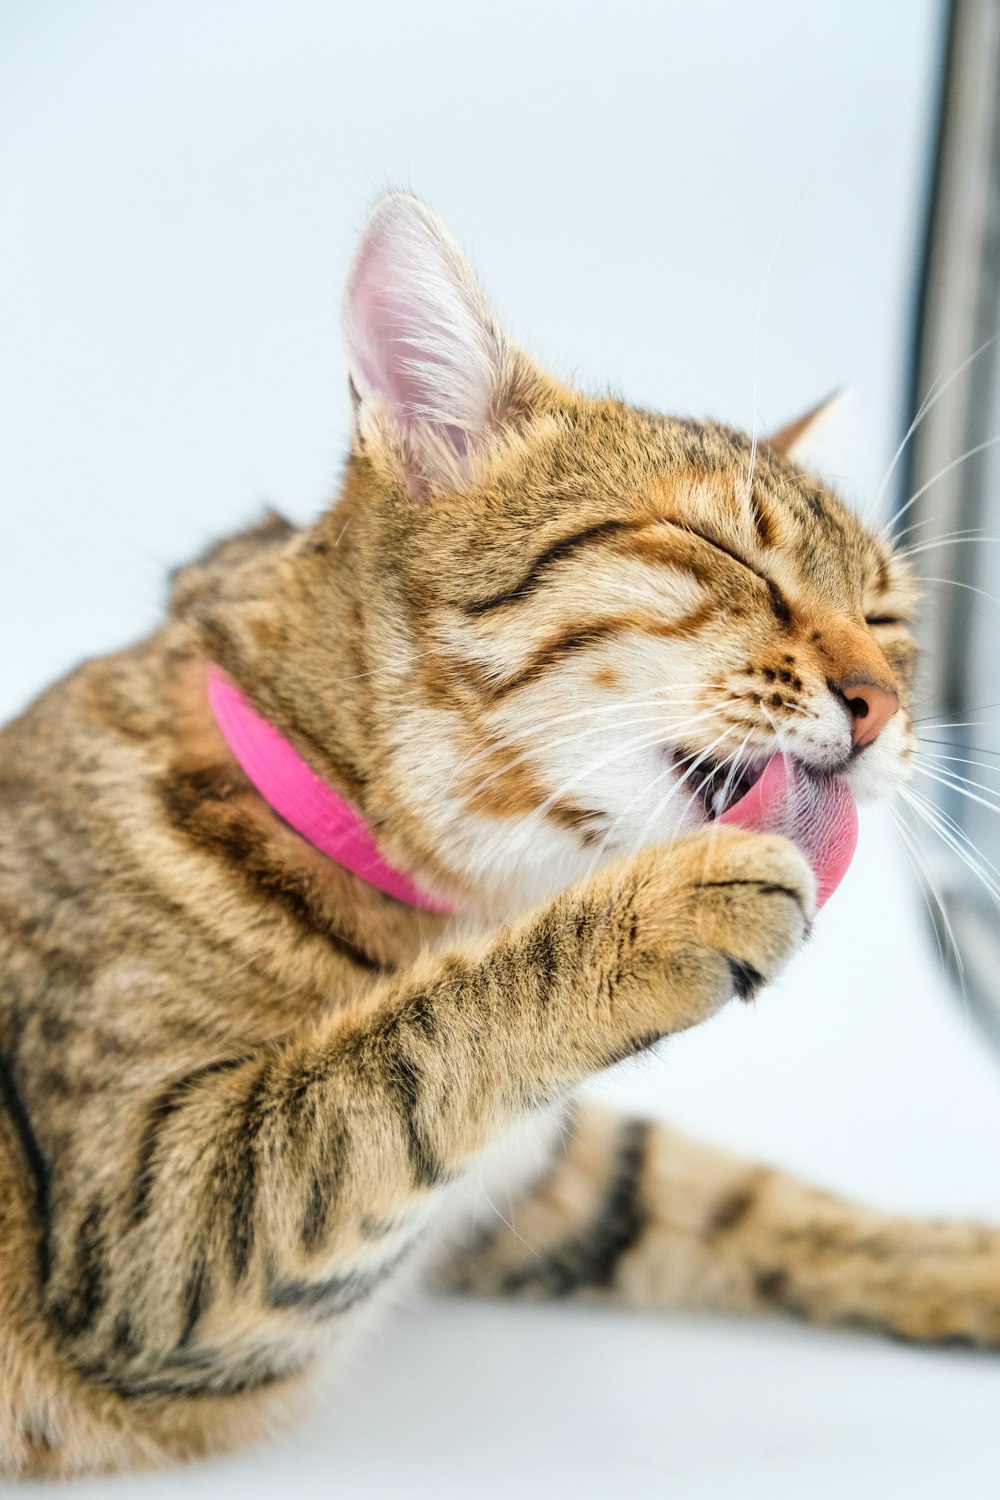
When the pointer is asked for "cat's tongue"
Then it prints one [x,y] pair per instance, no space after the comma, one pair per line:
[816,812]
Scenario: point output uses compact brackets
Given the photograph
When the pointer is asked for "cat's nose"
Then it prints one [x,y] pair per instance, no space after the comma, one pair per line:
[870,707]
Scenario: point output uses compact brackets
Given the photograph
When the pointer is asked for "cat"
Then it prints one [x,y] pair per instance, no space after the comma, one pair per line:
[405,823]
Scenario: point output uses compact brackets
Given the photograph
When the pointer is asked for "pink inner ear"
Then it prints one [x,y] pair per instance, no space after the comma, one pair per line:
[396,365]
[420,340]
[386,353]
[401,320]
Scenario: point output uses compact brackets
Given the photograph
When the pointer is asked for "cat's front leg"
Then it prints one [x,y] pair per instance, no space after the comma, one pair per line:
[263,1198]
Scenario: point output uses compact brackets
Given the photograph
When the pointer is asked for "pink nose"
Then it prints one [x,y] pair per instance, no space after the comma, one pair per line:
[870,706]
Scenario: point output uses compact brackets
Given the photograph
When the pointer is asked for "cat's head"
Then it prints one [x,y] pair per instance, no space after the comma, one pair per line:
[590,626]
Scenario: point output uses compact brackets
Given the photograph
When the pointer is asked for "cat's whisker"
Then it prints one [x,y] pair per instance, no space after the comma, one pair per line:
[545,722]
[696,764]
[934,721]
[395,667]
[961,785]
[616,820]
[527,833]
[673,791]
[755,368]
[945,829]
[798,708]
[640,842]
[645,791]
[735,761]
[944,762]
[952,724]
[617,754]
[958,584]
[928,890]
[935,391]
[526,732]
[956,839]
[960,745]
[956,829]
[533,727]
[935,757]
[962,458]
[662,731]
[715,825]
[956,539]
[577,737]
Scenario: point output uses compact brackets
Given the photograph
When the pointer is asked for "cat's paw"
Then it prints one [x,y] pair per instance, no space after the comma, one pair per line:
[713,915]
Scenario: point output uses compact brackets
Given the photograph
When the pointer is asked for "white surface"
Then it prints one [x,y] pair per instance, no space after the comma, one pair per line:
[181,185]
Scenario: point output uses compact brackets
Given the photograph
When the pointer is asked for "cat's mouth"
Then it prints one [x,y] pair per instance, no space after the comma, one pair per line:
[717,785]
[780,795]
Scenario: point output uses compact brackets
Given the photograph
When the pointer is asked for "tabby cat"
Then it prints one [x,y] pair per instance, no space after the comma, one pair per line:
[403,825]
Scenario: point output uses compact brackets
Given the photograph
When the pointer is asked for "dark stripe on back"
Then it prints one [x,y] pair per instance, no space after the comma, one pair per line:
[78,1309]
[124,1339]
[38,1167]
[200,804]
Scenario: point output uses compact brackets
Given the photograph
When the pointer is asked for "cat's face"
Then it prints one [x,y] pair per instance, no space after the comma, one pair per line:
[605,622]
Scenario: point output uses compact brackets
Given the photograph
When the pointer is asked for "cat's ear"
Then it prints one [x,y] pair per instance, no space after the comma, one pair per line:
[431,370]
[791,438]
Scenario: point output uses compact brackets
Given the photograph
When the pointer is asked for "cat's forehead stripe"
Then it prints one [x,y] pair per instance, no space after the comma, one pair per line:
[758,515]
[563,547]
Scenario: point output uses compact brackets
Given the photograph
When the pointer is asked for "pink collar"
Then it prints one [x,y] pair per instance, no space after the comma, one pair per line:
[304,799]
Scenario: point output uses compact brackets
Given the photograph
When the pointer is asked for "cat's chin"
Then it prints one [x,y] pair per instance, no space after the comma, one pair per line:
[876,780]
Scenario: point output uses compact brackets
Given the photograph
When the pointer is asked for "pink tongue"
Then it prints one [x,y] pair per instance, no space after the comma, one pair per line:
[818,813]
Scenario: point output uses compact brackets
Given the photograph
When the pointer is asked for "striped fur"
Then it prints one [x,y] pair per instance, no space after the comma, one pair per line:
[239,1088]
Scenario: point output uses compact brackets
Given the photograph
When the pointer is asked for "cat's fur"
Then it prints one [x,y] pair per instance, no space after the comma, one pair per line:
[239,1086]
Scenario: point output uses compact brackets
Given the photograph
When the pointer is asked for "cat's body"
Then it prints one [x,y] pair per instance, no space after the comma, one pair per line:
[245,1093]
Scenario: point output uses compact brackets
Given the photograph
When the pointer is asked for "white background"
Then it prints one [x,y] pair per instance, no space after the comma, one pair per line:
[712,208]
